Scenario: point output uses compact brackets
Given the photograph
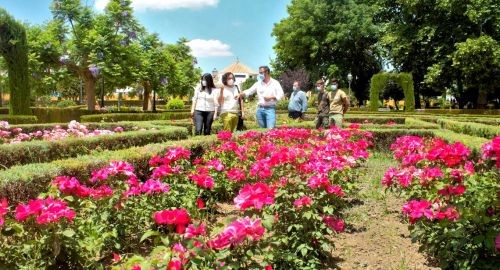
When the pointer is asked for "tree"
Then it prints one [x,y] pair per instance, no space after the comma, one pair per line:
[330,38]
[288,77]
[186,75]
[14,49]
[97,46]
[421,37]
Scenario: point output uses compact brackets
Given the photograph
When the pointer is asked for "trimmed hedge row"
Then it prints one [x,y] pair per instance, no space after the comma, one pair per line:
[21,183]
[19,119]
[60,115]
[117,117]
[374,120]
[46,151]
[474,129]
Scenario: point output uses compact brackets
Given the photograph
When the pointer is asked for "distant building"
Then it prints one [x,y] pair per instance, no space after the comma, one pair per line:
[241,72]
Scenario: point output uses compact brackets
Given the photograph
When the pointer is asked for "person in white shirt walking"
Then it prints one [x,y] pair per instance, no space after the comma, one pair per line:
[268,91]
[203,110]
[229,103]
[297,105]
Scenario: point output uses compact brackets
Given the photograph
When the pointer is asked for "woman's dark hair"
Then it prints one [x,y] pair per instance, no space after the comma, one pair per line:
[225,76]
[210,82]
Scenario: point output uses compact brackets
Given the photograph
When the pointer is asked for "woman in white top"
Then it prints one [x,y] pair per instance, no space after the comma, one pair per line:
[230,103]
[203,110]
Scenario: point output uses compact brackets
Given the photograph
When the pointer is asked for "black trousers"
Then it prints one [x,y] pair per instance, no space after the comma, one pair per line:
[203,122]
[294,114]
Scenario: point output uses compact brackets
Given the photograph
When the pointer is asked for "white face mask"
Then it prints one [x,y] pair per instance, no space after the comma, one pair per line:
[204,83]
[230,82]
[260,77]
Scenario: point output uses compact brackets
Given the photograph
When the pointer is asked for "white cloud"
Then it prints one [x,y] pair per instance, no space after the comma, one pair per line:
[208,48]
[163,4]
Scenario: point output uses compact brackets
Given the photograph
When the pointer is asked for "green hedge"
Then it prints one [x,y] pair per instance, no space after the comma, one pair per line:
[19,119]
[461,111]
[374,120]
[117,117]
[46,151]
[21,183]
[474,129]
[60,115]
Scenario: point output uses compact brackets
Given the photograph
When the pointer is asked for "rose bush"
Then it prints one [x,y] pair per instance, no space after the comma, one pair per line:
[75,129]
[453,206]
[286,189]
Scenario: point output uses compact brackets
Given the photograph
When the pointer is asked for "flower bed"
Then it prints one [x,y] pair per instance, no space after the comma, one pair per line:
[453,202]
[286,189]
[72,142]
[74,130]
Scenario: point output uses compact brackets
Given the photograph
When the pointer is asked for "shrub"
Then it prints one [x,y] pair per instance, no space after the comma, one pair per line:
[474,129]
[20,183]
[19,119]
[45,151]
[65,103]
[282,105]
[118,117]
[452,202]
[175,103]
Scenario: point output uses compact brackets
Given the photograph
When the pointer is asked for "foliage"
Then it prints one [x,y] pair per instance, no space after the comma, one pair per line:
[116,117]
[175,103]
[14,49]
[282,104]
[65,103]
[379,81]
[248,83]
[288,77]
[19,119]
[330,38]
[474,129]
[21,183]
[414,41]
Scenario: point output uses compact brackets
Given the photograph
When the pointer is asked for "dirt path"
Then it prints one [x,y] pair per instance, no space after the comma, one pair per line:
[378,238]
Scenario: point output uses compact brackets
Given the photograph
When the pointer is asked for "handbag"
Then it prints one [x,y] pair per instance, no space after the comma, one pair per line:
[241,124]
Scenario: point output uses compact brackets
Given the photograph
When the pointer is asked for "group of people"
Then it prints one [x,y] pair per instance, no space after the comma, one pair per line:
[227,103]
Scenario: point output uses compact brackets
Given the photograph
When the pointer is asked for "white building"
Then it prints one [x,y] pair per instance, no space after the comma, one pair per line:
[241,73]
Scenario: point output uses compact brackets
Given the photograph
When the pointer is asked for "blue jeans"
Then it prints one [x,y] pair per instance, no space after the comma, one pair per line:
[266,117]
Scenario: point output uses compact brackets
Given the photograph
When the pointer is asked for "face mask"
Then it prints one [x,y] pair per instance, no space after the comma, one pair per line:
[260,77]
[230,82]
[204,83]
[333,87]
[295,88]
[318,88]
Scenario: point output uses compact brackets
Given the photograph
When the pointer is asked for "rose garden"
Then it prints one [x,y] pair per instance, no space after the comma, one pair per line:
[130,187]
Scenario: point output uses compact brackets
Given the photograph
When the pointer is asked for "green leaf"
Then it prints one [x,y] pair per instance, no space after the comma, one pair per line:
[148,234]
[68,233]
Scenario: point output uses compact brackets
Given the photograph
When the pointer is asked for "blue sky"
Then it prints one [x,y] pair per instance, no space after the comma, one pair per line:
[220,30]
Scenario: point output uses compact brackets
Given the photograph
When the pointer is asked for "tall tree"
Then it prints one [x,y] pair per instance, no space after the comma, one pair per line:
[94,46]
[14,49]
[330,38]
[422,37]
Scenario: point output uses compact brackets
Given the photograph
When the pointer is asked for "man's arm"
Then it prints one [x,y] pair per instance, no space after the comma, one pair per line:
[250,91]
[278,92]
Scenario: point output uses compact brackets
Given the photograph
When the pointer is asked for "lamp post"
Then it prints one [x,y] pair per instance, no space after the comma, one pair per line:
[349,79]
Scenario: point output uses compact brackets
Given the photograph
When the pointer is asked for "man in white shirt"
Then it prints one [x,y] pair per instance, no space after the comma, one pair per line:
[268,91]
